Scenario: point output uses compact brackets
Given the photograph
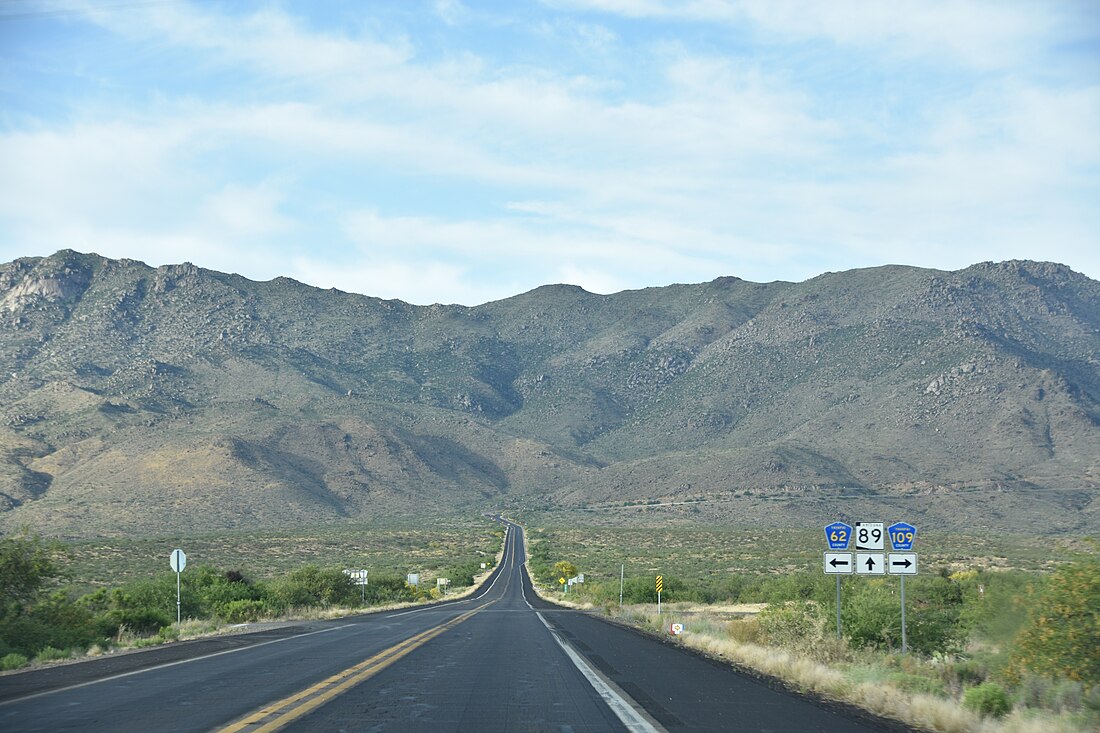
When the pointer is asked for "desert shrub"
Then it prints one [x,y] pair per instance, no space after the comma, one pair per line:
[243,611]
[50,654]
[989,699]
[462,575]
[389,589]
[12,661]
[795,624]
[804,586]
[918,684]
[746,631]
[872,615]
[311,586]
[1062,632]
[137,620]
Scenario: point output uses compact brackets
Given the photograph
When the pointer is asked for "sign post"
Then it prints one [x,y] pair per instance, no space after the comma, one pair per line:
[179,562]
[838,535]
[660,587]
[622,574]
[902,563]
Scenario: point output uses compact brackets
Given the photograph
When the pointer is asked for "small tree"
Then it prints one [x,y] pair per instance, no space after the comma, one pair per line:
[1062,633]
[565,569]
[26,563]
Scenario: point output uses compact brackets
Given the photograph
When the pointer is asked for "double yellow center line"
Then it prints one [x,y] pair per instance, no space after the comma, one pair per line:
[278,714]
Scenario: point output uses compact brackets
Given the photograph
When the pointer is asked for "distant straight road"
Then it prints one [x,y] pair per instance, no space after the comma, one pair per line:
[502,660]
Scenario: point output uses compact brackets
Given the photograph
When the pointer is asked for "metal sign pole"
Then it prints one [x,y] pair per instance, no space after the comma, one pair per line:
[838,607]
[177,598]
[904,640]
[658,603]
[622,574]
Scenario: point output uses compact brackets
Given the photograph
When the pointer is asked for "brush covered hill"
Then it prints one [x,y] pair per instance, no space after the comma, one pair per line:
[139,399]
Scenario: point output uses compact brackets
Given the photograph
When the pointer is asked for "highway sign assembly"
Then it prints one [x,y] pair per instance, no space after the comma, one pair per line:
[869,536]
[838,563]
[838,535]
[870,563]
[676,629]
[902,563]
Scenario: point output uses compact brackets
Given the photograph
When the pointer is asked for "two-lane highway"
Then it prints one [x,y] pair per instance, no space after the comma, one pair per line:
[502,660]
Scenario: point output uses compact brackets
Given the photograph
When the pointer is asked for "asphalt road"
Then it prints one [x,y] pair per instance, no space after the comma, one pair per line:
[500,661]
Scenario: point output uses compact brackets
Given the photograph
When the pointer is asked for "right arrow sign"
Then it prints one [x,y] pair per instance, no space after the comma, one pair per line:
[902,563]
[870,563]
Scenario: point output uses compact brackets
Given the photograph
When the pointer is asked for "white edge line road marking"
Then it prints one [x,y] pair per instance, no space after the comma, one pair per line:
[436,607]
[167,665]
[632,715]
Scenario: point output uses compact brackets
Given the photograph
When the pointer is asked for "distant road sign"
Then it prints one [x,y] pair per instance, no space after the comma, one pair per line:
[178,560]
[902,535]
[676,629]
[838,563]
[902,563]
[413,579]
[838,535]
[870,563]
[660,583]
[869,536]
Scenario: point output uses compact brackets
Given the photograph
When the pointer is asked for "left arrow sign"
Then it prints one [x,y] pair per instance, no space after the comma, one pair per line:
[838,563]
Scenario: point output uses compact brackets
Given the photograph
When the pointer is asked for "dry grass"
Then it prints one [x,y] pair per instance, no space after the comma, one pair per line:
[944,715]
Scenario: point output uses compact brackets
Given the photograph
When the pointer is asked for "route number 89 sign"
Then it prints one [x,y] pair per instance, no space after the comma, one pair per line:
[869,535]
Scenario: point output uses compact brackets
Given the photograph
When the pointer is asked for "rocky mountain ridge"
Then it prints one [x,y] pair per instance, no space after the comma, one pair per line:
[160,399]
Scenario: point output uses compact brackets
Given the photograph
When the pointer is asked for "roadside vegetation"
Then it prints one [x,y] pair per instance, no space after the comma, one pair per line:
[45,617]
[990,650]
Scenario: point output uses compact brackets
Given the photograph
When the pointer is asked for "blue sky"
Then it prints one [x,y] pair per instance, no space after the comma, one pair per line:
[464,152]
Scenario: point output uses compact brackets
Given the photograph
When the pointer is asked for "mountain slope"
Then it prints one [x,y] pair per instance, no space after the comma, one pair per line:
[141,399]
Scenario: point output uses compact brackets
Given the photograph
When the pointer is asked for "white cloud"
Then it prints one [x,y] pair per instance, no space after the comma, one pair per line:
[977,32]
[724,163]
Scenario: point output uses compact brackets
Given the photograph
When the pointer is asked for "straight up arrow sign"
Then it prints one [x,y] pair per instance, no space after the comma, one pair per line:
[870,563]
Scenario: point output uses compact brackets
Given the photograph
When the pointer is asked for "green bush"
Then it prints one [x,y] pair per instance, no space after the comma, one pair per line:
[795,624]
[989,699]
[872,615]
[50,654]
[1062,633]
[137,620]
[313,586]
[12,661]
[918,683]
[244,611]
